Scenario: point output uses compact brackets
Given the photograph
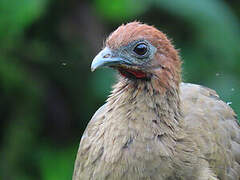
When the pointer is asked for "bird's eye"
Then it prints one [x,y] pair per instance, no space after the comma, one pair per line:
[140,49]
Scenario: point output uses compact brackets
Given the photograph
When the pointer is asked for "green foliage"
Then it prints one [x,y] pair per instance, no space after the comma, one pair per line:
[216,28]
[55,163]
[120,10]
[15,16]
[48,93]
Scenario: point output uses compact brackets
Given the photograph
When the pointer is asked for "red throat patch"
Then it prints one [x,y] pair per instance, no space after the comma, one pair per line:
[136,73]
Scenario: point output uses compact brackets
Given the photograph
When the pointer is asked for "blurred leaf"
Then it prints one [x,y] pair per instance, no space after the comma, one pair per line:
[120,10]
[15,15]
[56,163]
[217,29]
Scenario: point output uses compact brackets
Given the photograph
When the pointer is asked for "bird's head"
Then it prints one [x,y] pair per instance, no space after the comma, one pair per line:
[141,52]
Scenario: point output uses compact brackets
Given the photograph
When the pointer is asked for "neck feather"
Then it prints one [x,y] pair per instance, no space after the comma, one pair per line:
[163,105]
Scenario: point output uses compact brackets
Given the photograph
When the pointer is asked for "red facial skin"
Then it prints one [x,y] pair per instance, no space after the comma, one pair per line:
[137,73]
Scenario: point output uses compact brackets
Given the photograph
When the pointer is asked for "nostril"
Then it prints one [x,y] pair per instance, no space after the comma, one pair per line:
[107,56]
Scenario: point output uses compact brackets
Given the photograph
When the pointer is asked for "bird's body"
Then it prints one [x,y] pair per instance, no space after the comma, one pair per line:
[154,128]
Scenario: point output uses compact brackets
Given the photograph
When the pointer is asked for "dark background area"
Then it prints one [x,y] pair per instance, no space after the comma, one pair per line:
[47,91]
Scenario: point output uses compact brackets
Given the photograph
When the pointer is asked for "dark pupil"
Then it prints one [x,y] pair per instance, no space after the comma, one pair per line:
[140,49]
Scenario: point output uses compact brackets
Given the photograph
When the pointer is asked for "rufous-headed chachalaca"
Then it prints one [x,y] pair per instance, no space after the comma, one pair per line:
[153,127]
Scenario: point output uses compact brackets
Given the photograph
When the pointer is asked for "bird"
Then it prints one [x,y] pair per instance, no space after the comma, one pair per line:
[153,126]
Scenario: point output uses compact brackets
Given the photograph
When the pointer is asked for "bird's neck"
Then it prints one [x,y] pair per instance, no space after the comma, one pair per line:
[144,102]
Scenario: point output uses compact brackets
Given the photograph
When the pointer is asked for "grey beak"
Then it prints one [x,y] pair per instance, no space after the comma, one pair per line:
[107,57]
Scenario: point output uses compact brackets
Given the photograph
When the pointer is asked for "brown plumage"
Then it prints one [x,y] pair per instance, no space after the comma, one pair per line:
[153,127]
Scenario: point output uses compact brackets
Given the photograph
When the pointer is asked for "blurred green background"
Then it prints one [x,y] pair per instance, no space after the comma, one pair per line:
[48,93]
